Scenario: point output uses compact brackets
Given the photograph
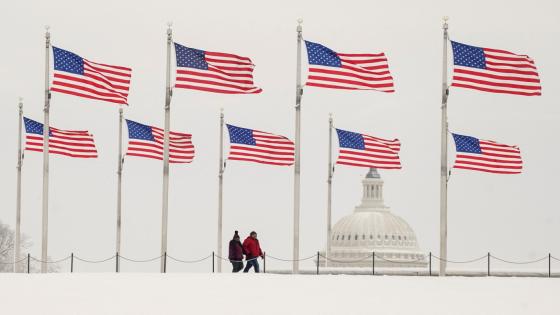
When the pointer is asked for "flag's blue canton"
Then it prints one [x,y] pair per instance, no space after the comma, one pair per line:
[67,61]
[468,56]
[32,126]
[321,55]
[241,135]
[352,140]
[467,144]
[190,57]
[139,131]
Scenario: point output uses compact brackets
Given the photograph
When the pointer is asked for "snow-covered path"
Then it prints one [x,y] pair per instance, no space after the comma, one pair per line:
[129,293]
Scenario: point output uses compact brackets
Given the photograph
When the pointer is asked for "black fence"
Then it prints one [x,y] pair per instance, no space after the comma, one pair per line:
[25,263]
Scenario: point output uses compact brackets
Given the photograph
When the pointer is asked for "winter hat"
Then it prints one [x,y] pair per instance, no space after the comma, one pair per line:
[236,235]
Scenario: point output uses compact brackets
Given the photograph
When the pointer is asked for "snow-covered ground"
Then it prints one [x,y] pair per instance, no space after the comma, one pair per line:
[134,293]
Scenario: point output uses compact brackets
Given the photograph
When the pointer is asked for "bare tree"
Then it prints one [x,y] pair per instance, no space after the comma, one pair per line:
[7,252]
[7,245]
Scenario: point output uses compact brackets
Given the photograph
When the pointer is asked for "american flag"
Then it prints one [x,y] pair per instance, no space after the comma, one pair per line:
[147,141]
[487,156]
[366,151]
[77,76]
[261,147]
[329,69]
[214,71]
[494,70]
[72,143]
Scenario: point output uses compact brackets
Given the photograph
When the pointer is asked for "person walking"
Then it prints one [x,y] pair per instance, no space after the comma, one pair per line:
[253,251]
[236,253]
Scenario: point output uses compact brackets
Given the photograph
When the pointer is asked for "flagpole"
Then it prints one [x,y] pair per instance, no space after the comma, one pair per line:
[329,194]
[17,248]
[165,201]
[220,189]
[45,212]
[119,185]
[443,178]
[299,92]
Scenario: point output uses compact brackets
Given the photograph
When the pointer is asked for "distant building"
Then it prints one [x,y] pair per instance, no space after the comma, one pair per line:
[373,228]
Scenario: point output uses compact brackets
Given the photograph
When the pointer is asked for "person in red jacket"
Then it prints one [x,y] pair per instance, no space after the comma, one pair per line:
[253,251]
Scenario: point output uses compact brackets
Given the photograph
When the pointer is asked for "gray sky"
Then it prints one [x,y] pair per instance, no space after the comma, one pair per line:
[512,216]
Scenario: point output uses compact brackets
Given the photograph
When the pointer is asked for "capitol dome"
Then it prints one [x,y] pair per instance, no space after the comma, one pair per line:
[373,228]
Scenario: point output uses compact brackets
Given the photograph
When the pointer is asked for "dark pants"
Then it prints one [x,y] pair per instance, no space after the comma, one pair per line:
[252,263]
[237,265]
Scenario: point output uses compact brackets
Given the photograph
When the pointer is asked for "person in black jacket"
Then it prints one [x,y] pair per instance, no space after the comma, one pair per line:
[236,253]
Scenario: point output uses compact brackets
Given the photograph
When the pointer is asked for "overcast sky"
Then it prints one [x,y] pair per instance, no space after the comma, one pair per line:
[513,216]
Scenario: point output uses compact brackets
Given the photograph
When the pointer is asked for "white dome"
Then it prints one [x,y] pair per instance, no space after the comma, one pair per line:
[373,228]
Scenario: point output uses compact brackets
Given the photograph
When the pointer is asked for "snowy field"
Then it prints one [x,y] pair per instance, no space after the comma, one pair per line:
[133,293]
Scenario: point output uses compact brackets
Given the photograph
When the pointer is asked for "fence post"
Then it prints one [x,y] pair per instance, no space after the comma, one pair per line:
[28,262]
[317,262]
[117,262]
[430,272]
[373,263]
[212,261]
[71,262]
[549,265]
[164,262]
[488,263]
[264,262]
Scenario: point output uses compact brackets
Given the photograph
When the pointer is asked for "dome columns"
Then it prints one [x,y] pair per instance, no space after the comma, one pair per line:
[372,197]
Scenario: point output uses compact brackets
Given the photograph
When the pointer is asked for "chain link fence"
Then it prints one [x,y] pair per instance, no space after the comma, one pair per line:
[25,263]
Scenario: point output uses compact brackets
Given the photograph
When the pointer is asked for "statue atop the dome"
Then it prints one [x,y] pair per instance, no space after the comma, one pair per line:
[373,173]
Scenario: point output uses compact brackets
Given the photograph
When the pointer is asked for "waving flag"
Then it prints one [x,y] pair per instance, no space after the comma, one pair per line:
[494,70]
[329,69]
[366,151]
[261,147]
[72,143]
[147,141]
[487,156]
[214,72]
[77,76]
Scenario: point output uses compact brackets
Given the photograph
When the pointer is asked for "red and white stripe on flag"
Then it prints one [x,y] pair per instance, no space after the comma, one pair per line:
[260,147]
[494,71]
[330,69]
[147,141]
[487,156]
[77,76]
[71,143]
[362,150]
[214,71]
